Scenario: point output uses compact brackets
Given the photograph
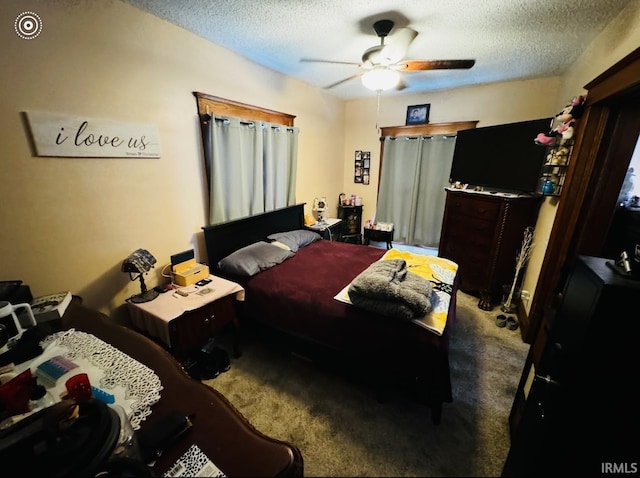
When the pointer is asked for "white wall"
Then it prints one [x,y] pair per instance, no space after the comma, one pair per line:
[67,223]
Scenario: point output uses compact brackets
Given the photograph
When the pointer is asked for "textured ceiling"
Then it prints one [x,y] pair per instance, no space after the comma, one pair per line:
[509,39]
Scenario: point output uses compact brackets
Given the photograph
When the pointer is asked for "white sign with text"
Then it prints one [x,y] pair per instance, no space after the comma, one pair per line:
[80,136]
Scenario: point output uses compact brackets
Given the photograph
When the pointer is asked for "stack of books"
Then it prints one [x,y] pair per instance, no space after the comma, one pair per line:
[51,306]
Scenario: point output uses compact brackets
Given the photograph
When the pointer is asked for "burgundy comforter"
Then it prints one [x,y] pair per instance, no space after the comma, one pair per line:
[297,297]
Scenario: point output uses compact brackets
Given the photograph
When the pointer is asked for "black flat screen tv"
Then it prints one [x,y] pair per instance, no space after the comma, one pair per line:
[502,157]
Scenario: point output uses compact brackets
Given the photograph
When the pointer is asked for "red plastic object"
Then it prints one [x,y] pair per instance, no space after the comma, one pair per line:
[79,387]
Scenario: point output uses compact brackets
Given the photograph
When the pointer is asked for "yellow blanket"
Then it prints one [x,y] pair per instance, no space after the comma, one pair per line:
[437,270]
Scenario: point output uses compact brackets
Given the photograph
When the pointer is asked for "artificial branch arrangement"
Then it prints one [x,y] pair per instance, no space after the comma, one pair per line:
[521,260]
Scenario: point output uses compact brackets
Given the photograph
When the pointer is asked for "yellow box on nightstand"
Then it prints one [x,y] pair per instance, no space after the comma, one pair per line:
[189,272]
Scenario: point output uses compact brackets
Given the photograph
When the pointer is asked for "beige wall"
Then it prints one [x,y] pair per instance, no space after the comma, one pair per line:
[67,223]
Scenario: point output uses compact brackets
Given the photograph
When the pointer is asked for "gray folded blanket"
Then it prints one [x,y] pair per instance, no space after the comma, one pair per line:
[388,288]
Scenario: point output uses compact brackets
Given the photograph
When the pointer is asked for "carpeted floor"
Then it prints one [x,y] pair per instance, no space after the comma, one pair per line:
[342,430]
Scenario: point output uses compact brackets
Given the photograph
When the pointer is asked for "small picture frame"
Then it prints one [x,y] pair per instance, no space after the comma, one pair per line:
[361,164]
[417,114]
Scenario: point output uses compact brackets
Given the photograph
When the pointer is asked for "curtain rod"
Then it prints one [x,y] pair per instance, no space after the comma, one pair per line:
[250,124]
[444,136]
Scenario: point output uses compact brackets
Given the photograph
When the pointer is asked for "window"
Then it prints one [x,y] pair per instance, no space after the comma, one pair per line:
[250,158]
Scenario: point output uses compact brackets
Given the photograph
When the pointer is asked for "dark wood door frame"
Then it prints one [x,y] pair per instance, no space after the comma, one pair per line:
[606,136]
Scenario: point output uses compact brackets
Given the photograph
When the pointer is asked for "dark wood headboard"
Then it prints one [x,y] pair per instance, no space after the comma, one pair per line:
[223,239]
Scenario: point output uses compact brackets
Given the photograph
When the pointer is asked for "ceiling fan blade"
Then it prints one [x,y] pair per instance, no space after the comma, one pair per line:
[417,65]
[397,45]
[311,60]
[342,81]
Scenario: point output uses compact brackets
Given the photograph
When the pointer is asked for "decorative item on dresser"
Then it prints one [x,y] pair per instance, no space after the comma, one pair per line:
[482,232]
[351,223]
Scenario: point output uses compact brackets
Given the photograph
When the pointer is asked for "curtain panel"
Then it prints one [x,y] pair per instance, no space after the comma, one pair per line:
[415,172]
[250,166]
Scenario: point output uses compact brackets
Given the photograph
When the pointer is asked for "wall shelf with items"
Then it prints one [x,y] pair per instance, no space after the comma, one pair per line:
[554,171]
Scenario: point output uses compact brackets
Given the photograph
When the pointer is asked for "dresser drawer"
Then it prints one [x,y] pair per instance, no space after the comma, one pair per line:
[469,230]
[193,329]
[477,207]
[473,262]
[473,276]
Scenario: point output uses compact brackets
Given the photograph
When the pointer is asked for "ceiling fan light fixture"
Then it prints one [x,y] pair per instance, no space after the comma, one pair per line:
[380,78]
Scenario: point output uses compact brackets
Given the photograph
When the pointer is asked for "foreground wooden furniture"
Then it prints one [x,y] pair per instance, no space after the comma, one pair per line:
[219,430]
[580,391]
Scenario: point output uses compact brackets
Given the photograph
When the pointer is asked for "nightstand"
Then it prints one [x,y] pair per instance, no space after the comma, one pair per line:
[352,223]
[331,229]
[185,324]
[378,235]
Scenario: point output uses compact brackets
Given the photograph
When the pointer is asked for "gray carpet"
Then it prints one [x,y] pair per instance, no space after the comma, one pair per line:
[342,430]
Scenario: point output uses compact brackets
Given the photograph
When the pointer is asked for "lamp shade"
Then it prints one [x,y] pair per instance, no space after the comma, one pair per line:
[380,78]
[140,260]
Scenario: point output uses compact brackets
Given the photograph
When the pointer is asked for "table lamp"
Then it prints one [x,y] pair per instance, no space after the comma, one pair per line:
[320,206]
[139,262]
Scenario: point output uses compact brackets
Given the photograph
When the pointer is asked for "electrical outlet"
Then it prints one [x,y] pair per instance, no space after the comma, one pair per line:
[525,295]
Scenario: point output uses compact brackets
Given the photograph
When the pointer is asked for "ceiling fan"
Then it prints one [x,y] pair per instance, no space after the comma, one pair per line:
[383,62]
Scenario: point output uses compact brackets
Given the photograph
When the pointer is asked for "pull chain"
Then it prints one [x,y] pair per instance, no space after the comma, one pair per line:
[378,111]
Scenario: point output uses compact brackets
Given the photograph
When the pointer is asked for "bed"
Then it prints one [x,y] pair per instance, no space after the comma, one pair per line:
[301,296]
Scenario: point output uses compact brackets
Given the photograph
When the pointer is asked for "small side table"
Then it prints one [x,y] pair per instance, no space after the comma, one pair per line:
[379,236]
[331,229]
[185,324]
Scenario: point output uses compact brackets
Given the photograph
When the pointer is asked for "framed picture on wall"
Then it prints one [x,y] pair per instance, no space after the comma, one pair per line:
[417,114]
[361,167]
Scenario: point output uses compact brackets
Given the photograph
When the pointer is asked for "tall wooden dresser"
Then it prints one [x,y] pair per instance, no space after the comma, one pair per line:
[483,234]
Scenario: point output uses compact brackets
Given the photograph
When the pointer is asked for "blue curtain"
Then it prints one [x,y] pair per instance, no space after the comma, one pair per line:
[415,171]
[250,166]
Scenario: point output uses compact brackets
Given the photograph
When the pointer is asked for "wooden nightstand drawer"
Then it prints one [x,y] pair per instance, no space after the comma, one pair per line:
[185,323]
[191,330]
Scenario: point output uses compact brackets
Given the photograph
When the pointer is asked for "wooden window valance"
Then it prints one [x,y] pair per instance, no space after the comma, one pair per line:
[427,129]
[216,106]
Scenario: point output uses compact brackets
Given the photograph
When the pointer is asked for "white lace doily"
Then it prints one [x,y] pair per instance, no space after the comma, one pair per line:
[115,372]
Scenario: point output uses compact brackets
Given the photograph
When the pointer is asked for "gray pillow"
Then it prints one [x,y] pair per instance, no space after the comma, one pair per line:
[296,239]
[253,258]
